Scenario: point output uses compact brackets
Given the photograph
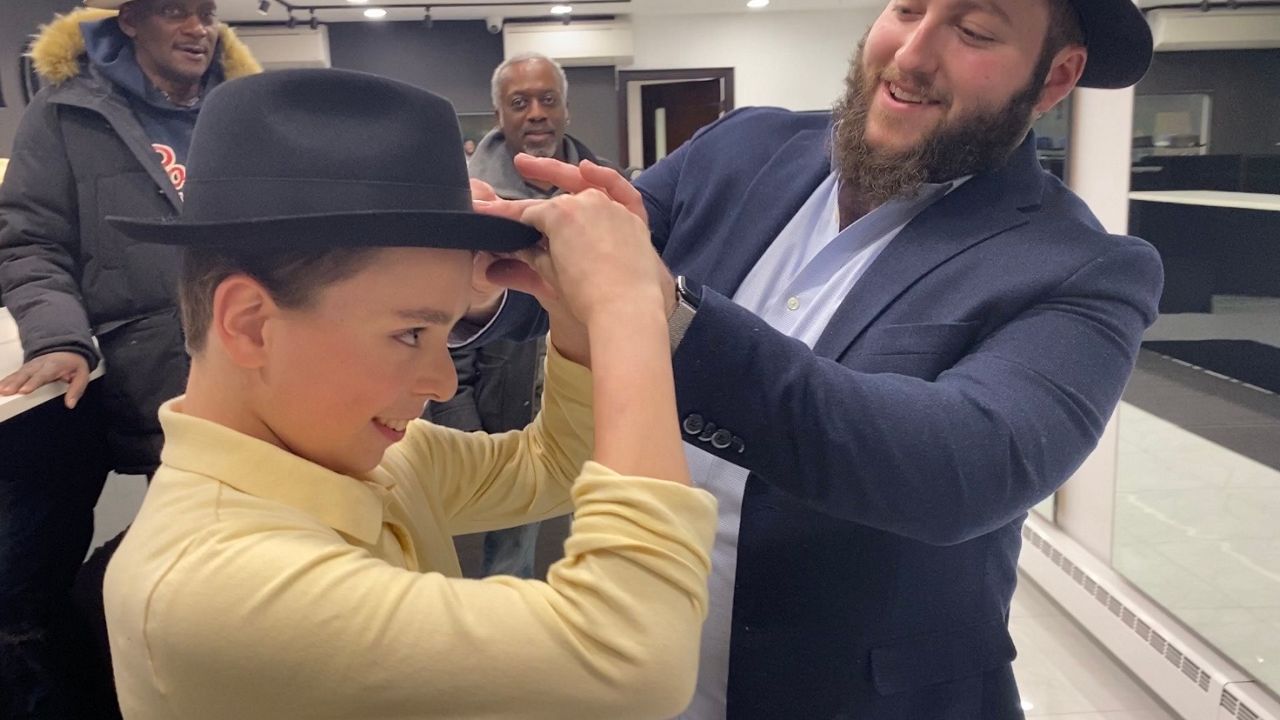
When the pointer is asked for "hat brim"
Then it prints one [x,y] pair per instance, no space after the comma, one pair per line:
[1119,42]
[443,229]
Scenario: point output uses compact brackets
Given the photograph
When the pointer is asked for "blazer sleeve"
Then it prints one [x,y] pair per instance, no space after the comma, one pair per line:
[40,240]
[938,461]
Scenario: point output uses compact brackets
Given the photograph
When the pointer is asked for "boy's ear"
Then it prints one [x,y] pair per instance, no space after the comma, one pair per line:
[241,309]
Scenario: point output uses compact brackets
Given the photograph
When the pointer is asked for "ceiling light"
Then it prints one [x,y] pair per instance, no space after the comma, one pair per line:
[561,9]
[264,7]
[375,13]
[357,2]
[757,4]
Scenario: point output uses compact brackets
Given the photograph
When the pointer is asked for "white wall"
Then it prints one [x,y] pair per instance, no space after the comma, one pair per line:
[795,60]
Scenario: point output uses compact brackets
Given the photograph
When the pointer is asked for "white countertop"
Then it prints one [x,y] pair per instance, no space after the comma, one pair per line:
[11,359]
[1211,198]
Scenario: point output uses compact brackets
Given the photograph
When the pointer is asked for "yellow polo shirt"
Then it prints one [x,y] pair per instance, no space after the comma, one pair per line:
[256,584]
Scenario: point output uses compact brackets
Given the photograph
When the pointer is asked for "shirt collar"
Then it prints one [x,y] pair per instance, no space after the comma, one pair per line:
[349,505]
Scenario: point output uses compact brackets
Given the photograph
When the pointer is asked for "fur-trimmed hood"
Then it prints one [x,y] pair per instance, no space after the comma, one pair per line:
[59,49]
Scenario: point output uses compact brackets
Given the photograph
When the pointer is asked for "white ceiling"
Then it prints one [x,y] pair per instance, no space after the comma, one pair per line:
[247,10]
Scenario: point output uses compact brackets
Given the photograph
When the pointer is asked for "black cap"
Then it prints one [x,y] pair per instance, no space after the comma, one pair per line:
[1119,42]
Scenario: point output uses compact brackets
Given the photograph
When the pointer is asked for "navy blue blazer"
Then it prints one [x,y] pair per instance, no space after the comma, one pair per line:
[970,371]
[965,377]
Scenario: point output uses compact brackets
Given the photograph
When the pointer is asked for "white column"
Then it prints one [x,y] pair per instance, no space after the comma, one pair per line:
[1098,160]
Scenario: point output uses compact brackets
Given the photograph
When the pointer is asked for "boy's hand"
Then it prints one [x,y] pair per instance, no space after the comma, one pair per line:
[601,258]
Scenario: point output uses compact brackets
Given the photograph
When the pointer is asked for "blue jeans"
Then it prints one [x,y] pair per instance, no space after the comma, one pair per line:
[54,466]
[510,551]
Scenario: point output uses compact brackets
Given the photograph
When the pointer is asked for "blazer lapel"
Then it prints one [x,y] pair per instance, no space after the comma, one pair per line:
[780,188]
[983,207]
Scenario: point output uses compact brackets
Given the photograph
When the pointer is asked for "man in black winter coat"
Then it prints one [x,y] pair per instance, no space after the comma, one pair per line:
[108,135]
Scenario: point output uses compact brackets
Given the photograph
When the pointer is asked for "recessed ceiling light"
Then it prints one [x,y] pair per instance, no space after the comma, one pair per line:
[357,2]
[757,4]
[375,13]
[561,9]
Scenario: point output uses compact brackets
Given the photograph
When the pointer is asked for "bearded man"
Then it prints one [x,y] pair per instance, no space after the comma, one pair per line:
[894,334]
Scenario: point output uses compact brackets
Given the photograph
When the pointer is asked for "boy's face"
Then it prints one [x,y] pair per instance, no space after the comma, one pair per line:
[343,377]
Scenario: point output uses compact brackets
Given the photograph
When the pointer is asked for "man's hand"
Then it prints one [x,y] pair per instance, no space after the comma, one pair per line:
[67,367]
[573,180]
[600,256]
[587,175]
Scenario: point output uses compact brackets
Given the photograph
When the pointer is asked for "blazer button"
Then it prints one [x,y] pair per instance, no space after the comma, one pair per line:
[693,424]
[721,439]
[707,431]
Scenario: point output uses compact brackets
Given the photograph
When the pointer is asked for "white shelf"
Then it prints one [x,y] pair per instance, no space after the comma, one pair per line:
[1211,198]
[11,359]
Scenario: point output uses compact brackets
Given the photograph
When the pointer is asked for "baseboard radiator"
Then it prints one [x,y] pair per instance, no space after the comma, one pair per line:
[1191,677]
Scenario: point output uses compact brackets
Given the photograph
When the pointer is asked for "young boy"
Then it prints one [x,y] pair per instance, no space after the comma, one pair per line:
[293,557]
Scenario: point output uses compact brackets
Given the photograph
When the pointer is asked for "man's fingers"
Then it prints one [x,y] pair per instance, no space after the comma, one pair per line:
[549,170]
[579,178]
[615,186]
[42,375]
[542,214]
[481,190]
[14,380]
[509,209]
[79,381]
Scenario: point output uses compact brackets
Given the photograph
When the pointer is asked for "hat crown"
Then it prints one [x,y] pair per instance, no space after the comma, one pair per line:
[300,158]
[302,142]
[1118,39]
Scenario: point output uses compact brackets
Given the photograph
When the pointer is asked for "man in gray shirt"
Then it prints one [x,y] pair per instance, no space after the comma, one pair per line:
[500,384]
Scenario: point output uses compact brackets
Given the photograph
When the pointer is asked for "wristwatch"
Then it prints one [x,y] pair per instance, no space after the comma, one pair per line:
[682,315]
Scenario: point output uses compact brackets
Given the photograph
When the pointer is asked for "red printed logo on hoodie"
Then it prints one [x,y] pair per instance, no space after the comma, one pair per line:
[176,171]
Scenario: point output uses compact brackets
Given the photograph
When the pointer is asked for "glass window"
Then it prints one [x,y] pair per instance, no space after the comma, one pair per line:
[1198,482]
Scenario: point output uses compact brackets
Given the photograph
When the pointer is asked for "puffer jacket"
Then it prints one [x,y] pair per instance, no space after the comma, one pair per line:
[80,155]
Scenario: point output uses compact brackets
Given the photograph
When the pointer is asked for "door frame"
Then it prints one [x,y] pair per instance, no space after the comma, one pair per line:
[628,77]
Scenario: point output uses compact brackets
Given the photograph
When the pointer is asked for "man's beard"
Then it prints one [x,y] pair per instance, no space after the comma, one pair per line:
[954,149]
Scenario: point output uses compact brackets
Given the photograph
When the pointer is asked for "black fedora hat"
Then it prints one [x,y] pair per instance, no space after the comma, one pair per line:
[1119,42]
[335,157]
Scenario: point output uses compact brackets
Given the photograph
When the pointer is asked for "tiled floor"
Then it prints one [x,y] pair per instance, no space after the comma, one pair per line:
[1198,499]
[1234,317]
[1063,674]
